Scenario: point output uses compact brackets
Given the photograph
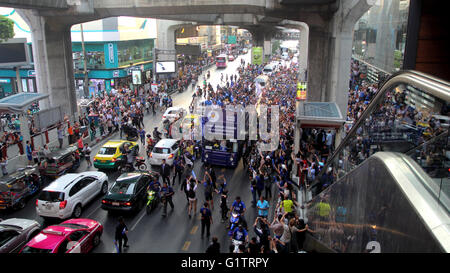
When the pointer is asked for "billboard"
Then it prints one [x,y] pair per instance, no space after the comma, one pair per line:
[231,39]
[137,77]
[165,67]
[257,55]
[14,52]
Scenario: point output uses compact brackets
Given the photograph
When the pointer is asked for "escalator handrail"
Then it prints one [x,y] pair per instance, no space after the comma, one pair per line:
[427,83]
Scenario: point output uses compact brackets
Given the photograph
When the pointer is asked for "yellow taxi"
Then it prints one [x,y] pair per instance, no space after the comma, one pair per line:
[111,152]
[188,121]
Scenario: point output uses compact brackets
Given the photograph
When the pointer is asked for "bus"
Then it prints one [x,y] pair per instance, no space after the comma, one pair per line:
[221,61]
[222,152]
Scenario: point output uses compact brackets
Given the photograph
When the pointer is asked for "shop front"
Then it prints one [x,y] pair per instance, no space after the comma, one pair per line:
[8,82]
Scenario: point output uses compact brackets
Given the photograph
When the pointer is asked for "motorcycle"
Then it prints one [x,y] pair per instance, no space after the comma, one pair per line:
[152,201]
[208,75]
[235,220]
[127,167]
[236,244]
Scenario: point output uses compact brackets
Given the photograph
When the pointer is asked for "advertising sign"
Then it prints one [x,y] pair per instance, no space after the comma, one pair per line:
[257,55]
[301,91]
[111,52]
[165,67]
[231,39]
[155,88]
[116,73]
[136,74]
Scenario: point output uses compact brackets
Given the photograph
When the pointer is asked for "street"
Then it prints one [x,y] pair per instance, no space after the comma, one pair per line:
[175,233]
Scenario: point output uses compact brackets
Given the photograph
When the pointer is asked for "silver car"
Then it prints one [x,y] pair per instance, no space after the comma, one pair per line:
[15,233]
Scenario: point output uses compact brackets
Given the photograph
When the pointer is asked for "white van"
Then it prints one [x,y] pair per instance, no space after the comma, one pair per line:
[268,69]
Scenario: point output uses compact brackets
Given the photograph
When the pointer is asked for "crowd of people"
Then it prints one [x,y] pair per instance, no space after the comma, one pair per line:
[272,189]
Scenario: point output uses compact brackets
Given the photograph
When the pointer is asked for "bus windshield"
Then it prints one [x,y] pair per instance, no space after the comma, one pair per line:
[220,145]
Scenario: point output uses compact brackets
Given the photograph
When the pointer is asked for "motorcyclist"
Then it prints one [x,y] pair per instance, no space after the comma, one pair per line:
[156,187]
[239,236]
[130,156]
[239,207]
[156,134]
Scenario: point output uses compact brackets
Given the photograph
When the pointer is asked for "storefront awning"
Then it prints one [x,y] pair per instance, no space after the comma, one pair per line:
[319,114]
[20,102]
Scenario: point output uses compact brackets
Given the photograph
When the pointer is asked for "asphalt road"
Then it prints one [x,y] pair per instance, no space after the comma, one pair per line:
[175,233]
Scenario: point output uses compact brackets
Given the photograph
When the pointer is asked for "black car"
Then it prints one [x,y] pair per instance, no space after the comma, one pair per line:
[129,192]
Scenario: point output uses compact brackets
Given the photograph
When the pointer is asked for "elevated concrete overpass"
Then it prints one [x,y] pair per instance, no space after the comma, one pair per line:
[326,34]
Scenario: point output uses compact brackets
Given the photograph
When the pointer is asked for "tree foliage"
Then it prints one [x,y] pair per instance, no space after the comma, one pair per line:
[6,28]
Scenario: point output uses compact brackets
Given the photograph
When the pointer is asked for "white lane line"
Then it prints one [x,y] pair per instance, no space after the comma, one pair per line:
[92,212]
[140,218]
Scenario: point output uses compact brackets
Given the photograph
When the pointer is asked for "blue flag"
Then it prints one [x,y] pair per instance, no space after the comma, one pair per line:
[193,174]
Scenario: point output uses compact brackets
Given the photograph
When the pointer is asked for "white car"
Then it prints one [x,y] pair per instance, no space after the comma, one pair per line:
[68,195]
[173,112]
[165,149]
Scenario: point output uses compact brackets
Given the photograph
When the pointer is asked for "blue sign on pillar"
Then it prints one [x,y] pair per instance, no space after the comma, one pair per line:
[111,57]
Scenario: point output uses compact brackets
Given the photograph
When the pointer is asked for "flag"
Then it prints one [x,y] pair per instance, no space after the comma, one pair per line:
[193,174]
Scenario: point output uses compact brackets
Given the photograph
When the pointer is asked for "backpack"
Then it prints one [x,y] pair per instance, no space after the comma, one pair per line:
[191,192]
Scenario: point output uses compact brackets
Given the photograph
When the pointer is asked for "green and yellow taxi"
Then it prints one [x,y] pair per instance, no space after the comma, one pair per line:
[111,152]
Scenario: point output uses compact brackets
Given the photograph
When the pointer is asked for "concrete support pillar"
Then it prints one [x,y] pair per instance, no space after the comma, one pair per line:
[262,37]
[52,54]
[330,52]
[166,34]
[318,63]
[303,52]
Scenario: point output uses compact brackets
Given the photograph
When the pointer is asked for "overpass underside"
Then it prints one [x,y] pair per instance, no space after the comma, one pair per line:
[325,41]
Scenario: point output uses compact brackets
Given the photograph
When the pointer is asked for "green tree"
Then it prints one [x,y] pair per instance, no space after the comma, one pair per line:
[6,28]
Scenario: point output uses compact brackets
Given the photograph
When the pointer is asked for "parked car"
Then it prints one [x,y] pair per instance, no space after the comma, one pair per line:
[172,113]
[15,233]
[165,149]
[111,153]
[129,192]
[71,236]
[17,187]
[230,58]
[68,195]
[59,161]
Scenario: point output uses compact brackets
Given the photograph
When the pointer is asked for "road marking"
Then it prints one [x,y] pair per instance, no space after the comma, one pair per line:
[194,229]
[186,245]
[140,218]
[92,212]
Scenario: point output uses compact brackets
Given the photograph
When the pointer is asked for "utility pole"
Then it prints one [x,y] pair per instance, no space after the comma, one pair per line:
[86,79]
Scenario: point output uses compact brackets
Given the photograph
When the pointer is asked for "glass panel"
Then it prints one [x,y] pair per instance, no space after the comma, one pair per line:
[385,21]
[407,120]
[368,212]
[135,51]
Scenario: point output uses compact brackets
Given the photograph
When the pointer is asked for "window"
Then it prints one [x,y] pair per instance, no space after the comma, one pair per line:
[123,187]
[160,150]
[29,249]
[7,236]
[62,248]
[107,150]
[76,188]
[77,235]
[51,196]
[174,147]
[88,180]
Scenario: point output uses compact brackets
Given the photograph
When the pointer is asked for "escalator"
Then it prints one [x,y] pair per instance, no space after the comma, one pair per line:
[390,175]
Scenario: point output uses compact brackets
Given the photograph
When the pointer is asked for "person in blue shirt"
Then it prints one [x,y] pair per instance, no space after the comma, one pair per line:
[167,192]
[240,234]
[206,219]
[142,135]
[238,206]
[263,207]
